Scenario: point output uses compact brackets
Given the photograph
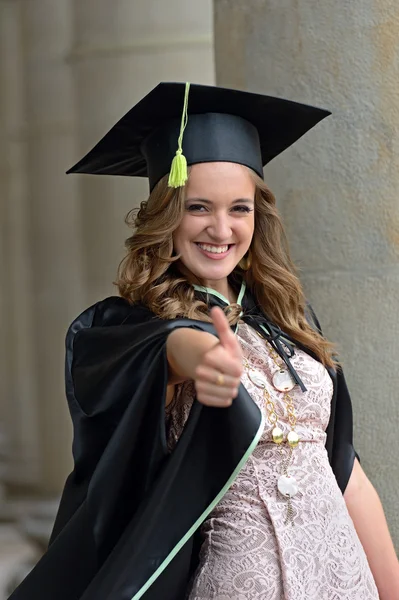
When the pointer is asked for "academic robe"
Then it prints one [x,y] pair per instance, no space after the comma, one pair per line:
[128,521]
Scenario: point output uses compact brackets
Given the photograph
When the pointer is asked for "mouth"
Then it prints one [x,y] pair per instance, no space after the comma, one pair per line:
[214,251]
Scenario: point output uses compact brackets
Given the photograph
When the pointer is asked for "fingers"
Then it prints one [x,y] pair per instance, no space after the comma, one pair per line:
[207,379]
[220,360]
[226,337]
[214,395]
[210,389]
[210,392]
[215,402]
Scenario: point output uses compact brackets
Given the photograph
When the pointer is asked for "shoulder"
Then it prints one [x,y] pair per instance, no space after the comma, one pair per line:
[117,311]
[110,312]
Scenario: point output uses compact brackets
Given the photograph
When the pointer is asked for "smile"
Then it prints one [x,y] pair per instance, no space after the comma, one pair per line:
[214,252]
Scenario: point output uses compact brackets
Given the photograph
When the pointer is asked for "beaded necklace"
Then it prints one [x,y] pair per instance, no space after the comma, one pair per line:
[282,382]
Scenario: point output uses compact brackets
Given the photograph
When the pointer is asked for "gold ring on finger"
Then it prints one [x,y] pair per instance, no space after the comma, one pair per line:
[220,379]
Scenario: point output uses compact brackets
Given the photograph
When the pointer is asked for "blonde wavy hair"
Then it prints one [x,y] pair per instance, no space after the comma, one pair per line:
[149,273]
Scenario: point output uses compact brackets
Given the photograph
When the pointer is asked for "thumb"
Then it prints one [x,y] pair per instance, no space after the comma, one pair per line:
[226,336]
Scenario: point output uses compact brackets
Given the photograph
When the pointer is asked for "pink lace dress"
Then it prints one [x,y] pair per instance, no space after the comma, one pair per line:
[248,552]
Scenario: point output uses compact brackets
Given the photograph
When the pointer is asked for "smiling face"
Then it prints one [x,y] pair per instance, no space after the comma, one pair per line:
[218,223]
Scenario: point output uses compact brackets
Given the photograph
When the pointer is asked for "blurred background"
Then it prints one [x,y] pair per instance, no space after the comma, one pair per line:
[68,70]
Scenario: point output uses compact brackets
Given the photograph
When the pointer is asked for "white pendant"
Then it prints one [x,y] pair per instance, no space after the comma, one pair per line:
[282,381]
[287,486]
[257,379]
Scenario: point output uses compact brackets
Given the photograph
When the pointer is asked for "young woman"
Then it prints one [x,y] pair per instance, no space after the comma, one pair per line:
[209,467]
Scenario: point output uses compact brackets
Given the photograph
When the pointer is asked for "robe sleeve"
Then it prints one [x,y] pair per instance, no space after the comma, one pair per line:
[130,509]
[116,378]
[115,355]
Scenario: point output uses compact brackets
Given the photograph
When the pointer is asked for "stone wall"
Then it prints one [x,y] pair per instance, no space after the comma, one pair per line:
[337,188]
[68,71]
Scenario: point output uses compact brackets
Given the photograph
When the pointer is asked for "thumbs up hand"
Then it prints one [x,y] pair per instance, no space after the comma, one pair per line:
[217,375]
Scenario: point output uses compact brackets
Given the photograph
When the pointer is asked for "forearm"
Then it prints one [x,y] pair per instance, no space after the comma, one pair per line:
[366,511]
[184,349]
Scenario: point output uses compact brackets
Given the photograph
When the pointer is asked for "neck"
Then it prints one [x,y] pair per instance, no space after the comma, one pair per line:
[234,294]
[223,287]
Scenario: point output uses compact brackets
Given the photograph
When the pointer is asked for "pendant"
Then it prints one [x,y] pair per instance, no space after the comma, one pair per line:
[257,379]
[282,381]
[293,439]
[277,435]
[287,486]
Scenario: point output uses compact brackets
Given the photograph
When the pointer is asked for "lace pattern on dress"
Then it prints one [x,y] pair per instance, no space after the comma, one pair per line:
[248,552]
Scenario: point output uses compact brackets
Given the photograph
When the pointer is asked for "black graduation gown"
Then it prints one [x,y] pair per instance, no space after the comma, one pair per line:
[128,517]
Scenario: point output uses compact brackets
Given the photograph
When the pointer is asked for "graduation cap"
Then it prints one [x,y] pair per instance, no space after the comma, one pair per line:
[179,124]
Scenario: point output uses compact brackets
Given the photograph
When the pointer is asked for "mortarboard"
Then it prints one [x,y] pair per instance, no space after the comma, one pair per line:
[218,124]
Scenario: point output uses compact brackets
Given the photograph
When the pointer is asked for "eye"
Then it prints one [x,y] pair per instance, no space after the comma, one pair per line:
[196,208]
[242,208]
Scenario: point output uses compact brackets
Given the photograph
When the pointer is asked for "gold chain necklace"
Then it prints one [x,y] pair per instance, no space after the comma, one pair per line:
[282,382]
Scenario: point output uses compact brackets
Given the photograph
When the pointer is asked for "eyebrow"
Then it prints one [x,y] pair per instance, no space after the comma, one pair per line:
[205,201]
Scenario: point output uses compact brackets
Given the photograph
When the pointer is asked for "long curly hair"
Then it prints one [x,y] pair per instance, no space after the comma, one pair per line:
[149,273]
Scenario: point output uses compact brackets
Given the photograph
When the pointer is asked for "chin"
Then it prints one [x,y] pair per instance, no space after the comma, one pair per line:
[211,274]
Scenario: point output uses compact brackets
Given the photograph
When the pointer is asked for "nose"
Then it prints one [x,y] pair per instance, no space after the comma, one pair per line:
[220,228]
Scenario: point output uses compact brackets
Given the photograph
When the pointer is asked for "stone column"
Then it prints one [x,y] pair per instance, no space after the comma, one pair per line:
[121,51]
[54,219]
[19,435]
[19,413]
[337,188]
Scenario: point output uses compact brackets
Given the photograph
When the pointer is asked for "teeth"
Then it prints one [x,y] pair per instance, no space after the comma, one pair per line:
[214,249]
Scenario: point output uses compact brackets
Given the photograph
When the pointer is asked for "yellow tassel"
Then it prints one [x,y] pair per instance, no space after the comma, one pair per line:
[178,171]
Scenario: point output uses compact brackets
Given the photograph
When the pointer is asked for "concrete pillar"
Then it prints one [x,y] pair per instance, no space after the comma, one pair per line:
[337,188]
[19,411]
[121,50]
[54,219]
[19,435]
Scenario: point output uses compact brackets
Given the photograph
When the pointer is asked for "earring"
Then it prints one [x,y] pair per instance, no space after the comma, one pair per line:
[246,261]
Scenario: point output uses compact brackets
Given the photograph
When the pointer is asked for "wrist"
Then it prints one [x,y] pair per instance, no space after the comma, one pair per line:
[184,350]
